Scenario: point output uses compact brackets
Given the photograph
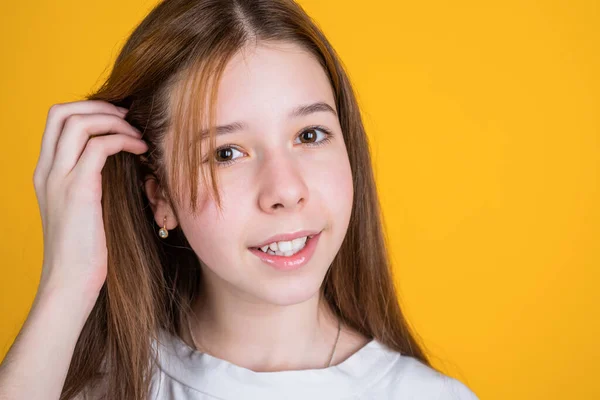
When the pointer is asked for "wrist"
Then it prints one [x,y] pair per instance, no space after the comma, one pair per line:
[74,301]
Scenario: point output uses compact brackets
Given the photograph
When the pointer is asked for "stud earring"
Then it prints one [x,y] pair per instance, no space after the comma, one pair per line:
[163,232]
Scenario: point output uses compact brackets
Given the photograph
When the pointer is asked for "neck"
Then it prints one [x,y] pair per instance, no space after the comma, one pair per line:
[265,337]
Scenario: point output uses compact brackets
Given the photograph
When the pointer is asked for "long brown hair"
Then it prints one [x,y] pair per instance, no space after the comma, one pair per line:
[170,64]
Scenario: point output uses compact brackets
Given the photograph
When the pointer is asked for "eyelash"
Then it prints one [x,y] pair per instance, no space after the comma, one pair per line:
[324,141]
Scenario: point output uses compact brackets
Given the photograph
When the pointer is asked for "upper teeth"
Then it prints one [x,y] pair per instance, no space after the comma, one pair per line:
[286,247]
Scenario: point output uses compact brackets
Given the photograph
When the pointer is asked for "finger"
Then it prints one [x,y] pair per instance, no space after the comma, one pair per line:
[55,121]
[78,130]
[99,148]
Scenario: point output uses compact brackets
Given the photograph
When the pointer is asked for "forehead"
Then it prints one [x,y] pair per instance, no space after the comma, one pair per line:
[270,79]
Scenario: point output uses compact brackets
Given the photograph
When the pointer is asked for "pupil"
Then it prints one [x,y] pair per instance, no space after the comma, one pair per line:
[224,154]
[309,135]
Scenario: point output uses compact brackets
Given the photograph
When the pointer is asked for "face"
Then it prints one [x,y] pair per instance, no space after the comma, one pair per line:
[278,174]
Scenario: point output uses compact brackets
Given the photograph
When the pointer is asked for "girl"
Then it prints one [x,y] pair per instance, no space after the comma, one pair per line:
[231,245]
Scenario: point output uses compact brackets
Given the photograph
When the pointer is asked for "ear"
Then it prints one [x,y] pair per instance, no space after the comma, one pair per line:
[159,204]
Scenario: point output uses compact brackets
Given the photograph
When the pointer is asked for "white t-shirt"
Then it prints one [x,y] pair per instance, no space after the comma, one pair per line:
[373,372]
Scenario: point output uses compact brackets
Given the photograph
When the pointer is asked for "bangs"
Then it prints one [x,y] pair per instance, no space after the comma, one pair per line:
[193,104]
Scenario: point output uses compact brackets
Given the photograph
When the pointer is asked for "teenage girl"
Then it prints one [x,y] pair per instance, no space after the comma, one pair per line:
[212,228]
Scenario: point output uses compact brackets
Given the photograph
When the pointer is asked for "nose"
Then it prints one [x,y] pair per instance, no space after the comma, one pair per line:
[282,184]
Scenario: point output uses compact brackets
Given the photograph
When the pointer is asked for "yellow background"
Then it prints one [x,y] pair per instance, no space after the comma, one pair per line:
[486,141]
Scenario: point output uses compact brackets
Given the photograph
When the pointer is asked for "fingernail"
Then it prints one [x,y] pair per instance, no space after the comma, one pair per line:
[123,110]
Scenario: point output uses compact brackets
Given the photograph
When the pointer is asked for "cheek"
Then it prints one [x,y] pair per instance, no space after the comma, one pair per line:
[336,187]
[213,234]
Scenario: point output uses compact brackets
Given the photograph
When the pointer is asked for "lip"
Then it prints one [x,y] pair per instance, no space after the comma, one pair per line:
[292,262]
[286,237]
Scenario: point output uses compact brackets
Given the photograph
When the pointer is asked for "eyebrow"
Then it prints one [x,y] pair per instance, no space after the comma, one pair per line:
[300,111]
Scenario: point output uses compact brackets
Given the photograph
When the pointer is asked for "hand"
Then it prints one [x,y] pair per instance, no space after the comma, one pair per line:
[68,187]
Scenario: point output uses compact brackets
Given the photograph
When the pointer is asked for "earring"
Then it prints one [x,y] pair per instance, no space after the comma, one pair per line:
[163,232]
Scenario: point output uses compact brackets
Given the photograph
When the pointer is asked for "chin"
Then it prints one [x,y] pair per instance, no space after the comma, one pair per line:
[289,290]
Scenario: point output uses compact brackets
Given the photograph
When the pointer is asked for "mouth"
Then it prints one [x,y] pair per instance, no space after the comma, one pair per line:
[286,244]
[281,256]
[285,248]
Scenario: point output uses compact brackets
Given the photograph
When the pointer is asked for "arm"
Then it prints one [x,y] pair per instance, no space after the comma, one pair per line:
[77,140]
[38,361]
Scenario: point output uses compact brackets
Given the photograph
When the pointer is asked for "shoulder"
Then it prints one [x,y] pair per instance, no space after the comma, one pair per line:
[409,378]
[453,389]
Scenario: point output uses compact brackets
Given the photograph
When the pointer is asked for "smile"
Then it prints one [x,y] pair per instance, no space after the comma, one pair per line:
[288,255]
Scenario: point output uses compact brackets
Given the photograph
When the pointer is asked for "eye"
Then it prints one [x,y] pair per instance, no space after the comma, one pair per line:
[311,136]
[314,136]
[226,155]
